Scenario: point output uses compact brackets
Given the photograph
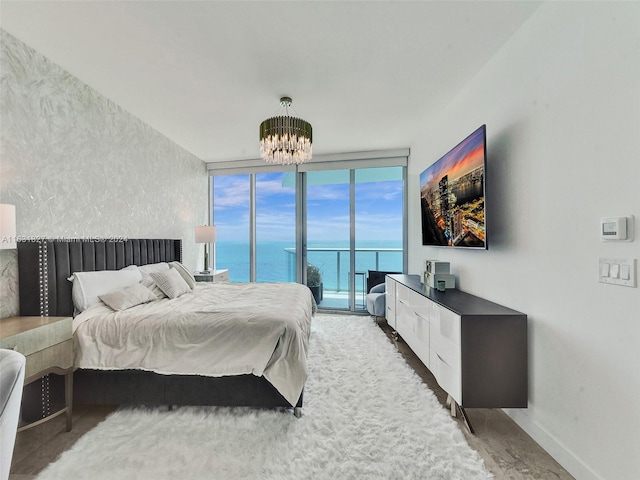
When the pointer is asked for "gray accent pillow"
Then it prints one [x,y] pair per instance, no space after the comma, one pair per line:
[128,297]
[171,283]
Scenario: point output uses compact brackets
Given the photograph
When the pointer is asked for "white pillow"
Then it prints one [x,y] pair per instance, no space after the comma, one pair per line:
[171,283]
[154,267]
[186,274]
[88,286]
[128,297]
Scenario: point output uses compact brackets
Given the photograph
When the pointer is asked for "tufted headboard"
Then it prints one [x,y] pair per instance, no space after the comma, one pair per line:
[45,265]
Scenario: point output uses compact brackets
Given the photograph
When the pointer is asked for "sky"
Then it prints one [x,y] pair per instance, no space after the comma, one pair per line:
[378,208]
[460,160]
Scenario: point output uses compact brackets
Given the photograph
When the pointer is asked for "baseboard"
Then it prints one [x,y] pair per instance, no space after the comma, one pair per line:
[565,457]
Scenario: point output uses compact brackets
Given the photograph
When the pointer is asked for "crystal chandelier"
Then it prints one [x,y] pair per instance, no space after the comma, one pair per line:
[284,139]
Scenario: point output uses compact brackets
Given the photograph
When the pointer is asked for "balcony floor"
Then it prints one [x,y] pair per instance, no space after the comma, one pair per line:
[333,300]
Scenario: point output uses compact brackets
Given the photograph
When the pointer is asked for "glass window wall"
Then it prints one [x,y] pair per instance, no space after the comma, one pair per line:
[353,223]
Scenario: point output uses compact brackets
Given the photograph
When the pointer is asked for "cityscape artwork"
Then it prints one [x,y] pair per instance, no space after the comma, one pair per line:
[452,196]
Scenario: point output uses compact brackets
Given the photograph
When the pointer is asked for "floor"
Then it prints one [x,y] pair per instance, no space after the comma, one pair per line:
[508,452]
[37,447]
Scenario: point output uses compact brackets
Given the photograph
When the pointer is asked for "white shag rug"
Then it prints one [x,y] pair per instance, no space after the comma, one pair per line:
[366,415]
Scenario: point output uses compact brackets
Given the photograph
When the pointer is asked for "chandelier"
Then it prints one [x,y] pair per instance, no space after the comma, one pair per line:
[284,139]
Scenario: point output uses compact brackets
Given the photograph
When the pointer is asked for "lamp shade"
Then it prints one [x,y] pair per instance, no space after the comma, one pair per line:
[205,234]
[7,227]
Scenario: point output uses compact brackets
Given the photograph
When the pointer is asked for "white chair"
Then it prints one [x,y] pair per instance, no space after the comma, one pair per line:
[376,301]
[12,366]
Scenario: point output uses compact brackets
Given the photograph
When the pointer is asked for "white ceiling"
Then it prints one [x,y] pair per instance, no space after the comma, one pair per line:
[206,73]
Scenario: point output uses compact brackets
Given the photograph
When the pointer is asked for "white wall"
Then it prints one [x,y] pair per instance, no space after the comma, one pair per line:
[561,101]
[77,165]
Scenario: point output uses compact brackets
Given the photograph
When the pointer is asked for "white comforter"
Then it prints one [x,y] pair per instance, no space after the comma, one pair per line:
[218,329]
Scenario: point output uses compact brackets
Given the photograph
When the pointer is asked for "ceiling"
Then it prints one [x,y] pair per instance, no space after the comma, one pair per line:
[366,75]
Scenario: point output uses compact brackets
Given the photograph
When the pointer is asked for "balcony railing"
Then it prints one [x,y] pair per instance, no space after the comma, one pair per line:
[334,265]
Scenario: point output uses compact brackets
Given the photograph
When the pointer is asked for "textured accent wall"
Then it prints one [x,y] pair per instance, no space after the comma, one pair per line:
[75,164]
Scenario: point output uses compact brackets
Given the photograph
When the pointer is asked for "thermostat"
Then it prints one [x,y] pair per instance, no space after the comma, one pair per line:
[613,228]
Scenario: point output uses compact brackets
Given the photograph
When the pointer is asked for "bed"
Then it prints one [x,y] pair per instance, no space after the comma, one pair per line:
[193,369]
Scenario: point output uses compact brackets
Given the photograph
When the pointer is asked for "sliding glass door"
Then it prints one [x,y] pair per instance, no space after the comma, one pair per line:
[328,234]
[379,232]
[354,225]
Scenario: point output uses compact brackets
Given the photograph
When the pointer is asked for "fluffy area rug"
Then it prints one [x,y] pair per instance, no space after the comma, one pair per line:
[366,415]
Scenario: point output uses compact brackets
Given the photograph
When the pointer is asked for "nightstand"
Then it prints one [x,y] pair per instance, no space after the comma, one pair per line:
[47,344]
[212,276]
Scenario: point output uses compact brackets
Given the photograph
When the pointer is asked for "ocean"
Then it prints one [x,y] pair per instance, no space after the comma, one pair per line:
[275,261]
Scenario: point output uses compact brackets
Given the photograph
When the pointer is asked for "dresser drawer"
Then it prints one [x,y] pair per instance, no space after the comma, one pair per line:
[445,336]
[447,350]
[414,329]
[390,302]
[391,316]
[28,335]
[59,355]
[390,287]
[448,377]
[446,323]
[415,301]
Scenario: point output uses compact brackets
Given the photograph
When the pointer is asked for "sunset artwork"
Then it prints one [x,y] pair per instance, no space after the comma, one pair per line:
[452,196]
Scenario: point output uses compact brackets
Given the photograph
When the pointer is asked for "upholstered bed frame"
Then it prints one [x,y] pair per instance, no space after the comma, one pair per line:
[44,267]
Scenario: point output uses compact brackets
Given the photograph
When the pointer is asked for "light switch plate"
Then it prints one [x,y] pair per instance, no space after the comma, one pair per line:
[609,271]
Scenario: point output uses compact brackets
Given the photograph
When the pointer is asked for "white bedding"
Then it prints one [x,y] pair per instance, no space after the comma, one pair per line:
[218,329]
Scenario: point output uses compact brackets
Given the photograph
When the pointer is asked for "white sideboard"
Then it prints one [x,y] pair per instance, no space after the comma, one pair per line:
[476,349]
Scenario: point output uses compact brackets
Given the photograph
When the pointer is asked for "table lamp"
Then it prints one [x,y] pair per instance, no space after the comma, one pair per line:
[207,234]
